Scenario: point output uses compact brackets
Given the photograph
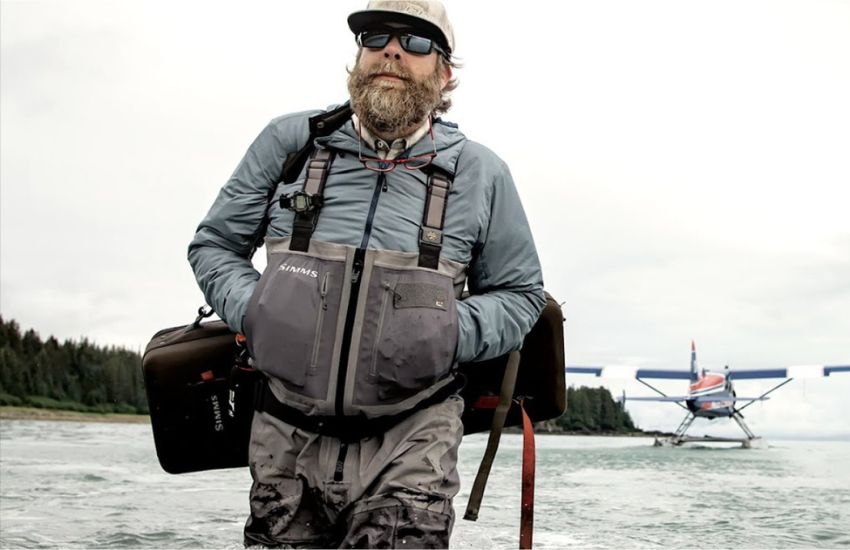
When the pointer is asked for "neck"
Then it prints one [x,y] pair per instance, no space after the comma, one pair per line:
[413,131]
[395,133]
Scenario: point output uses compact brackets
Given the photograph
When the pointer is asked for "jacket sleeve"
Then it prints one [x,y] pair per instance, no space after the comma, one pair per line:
[505,280]
[220,253]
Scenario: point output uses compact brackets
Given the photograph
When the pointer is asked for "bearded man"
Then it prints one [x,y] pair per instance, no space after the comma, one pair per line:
[375,215]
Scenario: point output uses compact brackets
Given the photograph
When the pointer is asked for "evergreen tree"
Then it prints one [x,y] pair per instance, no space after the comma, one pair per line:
[79,375]
[593,410]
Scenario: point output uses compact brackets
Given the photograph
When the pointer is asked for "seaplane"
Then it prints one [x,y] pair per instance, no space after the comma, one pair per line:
[710,394]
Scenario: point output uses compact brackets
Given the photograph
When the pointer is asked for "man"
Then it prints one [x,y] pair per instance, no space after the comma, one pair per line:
[357,321]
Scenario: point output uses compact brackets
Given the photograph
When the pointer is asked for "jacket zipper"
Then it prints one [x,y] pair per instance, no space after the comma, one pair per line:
[319,322]
[356,271]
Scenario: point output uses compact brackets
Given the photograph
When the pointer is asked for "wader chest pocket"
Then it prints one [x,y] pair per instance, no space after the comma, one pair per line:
[409,334]
[291,320]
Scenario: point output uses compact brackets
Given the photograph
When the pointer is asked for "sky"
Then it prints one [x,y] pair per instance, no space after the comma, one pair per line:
[685,167]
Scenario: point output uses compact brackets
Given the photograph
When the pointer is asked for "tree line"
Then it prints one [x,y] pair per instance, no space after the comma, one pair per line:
[593,410]
[71,375]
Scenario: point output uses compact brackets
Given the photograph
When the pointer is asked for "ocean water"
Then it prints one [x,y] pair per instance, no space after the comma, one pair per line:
[86,485]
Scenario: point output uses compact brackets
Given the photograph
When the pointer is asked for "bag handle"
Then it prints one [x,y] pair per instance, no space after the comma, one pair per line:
[203,313]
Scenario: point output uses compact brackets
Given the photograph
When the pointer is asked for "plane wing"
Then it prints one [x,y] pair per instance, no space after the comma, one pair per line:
[699,400]
[668,399]
[797,371]
[627,371]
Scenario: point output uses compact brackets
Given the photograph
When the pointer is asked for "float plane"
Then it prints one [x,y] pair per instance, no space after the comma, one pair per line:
[710,394]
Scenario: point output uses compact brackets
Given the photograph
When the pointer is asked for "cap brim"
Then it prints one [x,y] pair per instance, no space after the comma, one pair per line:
[360,21]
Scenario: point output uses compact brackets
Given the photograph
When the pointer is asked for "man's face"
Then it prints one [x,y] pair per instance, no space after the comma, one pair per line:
[393,90]
[419,67]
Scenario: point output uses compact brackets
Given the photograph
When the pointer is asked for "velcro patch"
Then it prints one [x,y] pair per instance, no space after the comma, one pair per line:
[420,295]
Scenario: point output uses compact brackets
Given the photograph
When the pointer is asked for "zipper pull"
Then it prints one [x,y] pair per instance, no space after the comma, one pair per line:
[356,270]
[325,290]
[384,188]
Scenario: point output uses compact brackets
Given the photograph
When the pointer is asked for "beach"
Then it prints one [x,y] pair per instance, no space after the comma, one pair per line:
[31,413]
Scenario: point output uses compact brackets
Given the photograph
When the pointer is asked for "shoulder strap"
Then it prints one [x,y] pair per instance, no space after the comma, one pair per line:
[320,125]
[502,405]
[323,124]
[308,202]
[433,218]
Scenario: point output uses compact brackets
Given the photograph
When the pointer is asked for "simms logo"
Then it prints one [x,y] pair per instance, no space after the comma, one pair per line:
[299,270]
[216,409]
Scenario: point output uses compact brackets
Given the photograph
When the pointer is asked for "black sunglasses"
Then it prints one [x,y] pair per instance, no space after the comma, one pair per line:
[411,43]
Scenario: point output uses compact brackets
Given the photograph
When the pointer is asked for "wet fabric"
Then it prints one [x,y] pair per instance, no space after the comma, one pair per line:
[389,491]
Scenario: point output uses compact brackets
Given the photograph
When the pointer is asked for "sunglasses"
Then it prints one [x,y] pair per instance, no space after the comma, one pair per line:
[410,43]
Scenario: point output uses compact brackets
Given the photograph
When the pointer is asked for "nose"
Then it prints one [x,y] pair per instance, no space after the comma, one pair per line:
[393,49]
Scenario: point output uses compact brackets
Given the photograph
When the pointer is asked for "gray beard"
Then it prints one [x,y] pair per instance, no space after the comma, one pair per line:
[392,112]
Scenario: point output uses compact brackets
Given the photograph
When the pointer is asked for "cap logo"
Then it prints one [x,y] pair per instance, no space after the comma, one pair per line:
[407,7]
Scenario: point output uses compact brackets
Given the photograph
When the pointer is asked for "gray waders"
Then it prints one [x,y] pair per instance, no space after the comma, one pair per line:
[356,435]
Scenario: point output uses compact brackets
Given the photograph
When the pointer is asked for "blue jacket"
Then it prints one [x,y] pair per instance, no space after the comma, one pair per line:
[485,227]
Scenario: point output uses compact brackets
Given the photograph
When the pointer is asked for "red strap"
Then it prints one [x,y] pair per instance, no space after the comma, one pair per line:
[526,515]
[486,402]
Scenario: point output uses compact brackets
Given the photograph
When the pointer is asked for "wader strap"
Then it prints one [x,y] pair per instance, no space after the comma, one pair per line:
[504,404]
[323,124]
[526,514]
[431,232]
[308,202]
[344,428]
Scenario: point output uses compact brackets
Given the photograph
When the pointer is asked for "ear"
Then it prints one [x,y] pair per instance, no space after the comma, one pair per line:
[446,74]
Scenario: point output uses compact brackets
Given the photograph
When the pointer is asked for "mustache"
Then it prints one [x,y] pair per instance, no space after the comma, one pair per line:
[389,69]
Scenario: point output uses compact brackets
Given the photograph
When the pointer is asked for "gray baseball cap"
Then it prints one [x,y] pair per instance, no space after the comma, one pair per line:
[428,16]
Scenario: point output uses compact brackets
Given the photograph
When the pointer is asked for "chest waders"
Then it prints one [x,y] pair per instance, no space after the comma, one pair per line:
[416,291]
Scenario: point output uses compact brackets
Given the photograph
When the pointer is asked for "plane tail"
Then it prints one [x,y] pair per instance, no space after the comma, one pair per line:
[693,362]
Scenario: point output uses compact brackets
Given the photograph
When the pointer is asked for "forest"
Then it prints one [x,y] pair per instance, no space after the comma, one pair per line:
[82,376]
[593,410]
[72,375]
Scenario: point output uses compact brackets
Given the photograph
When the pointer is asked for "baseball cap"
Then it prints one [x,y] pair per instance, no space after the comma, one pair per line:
[427,16]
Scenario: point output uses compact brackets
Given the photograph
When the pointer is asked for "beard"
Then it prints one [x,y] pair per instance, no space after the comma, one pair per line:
[391,110]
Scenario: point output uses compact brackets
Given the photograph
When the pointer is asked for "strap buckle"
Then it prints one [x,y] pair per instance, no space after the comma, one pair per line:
[429,235]
[301,202]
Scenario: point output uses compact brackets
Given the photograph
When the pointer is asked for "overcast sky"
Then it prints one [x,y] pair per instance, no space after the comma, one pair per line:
[685,167]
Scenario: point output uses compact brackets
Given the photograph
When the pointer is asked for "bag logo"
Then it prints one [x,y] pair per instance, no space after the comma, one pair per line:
[312,273]
[216,409]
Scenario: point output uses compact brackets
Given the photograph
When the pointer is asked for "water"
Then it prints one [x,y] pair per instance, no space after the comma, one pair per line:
[80,485]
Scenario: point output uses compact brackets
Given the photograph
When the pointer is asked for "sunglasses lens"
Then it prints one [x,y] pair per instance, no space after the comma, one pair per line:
[374,39]
[415,44]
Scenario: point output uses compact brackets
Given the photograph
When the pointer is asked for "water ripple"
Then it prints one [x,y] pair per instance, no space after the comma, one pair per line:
[73,485]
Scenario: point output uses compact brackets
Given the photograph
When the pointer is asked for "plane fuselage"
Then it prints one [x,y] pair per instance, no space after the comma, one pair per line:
[711,396]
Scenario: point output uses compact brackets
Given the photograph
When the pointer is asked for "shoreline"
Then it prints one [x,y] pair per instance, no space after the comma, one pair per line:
[58,415]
